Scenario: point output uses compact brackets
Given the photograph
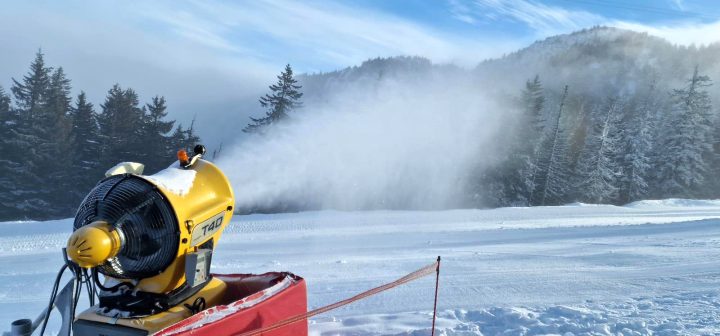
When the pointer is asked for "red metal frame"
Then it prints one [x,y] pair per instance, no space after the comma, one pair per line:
[255,301]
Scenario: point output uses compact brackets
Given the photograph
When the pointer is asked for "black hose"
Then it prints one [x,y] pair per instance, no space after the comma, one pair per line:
[53,295]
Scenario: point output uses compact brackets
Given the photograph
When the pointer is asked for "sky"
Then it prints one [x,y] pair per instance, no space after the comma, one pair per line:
[212,59]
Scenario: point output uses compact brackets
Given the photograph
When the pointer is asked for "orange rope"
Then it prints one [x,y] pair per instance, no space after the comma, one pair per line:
[425,271]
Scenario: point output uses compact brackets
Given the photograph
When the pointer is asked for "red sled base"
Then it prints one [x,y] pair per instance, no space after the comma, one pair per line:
[251,302]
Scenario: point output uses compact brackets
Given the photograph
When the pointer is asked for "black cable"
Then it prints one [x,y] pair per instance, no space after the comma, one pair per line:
[94,289]
[53,295]
[77,289]
[89,286]
[77,272]
[96,278]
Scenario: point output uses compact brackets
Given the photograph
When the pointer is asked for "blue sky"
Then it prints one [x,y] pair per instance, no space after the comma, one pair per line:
[326,35]
[206,56]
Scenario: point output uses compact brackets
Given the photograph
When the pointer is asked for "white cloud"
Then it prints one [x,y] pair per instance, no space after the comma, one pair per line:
[680,4]
[325,34]
[203,32]
[683,33]
[461,11]
[543,19]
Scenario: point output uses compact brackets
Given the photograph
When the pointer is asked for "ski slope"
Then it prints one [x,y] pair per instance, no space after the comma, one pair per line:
[649,268]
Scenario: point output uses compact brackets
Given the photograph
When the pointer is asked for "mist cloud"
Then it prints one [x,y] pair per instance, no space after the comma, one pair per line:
[387,144]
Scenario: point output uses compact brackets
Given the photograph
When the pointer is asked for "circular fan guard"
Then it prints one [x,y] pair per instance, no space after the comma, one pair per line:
[148,228]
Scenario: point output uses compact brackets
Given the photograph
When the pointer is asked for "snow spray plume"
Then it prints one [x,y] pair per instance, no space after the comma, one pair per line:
[398,143]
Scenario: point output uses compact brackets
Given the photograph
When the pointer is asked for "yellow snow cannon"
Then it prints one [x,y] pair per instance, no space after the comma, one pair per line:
[151,238]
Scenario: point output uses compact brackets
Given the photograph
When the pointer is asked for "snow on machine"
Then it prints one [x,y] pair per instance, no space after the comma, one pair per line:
[152,238]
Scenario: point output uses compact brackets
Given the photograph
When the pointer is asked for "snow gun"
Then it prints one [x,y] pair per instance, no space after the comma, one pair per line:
[151,238]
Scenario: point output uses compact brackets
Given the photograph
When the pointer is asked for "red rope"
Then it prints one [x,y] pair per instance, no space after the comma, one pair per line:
[425,271]
[437,285]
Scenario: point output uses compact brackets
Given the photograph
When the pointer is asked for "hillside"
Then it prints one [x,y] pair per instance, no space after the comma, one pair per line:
[596,60]
[592,61]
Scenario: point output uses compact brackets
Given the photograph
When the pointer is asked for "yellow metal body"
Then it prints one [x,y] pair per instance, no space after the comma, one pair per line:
[211,195]
[207,206]
[93,244]
[202,213]
[212,293]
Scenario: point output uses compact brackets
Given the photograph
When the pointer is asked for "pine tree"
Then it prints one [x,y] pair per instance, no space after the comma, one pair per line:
[5,112]
[533,100]
[178,138]
[30,136]
[638,137]
[217,152]
[579,126]
[191,138]
[159,148]
[714,172]
[8,161]
[31,94]
[490,189]
[6,117]
[86,141]
[59,145]
[688,144]
[60,105]
[552,170]
[121,127]
[185,139]
[283,98]
[518,172]
[598,169]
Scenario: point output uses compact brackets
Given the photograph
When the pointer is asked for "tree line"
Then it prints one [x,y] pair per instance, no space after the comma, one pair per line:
[649,143]
[654,141]
[55,148]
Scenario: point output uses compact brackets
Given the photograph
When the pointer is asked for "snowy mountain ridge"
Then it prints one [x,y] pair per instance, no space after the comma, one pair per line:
[582,48]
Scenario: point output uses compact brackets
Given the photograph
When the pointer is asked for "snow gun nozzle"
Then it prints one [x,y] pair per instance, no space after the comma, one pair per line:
[199,150]
[187,161]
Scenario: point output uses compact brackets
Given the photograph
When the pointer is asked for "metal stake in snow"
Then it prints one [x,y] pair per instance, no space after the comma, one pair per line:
[437,285]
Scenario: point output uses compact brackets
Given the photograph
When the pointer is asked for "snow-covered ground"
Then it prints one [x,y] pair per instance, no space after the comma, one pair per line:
[649,268]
